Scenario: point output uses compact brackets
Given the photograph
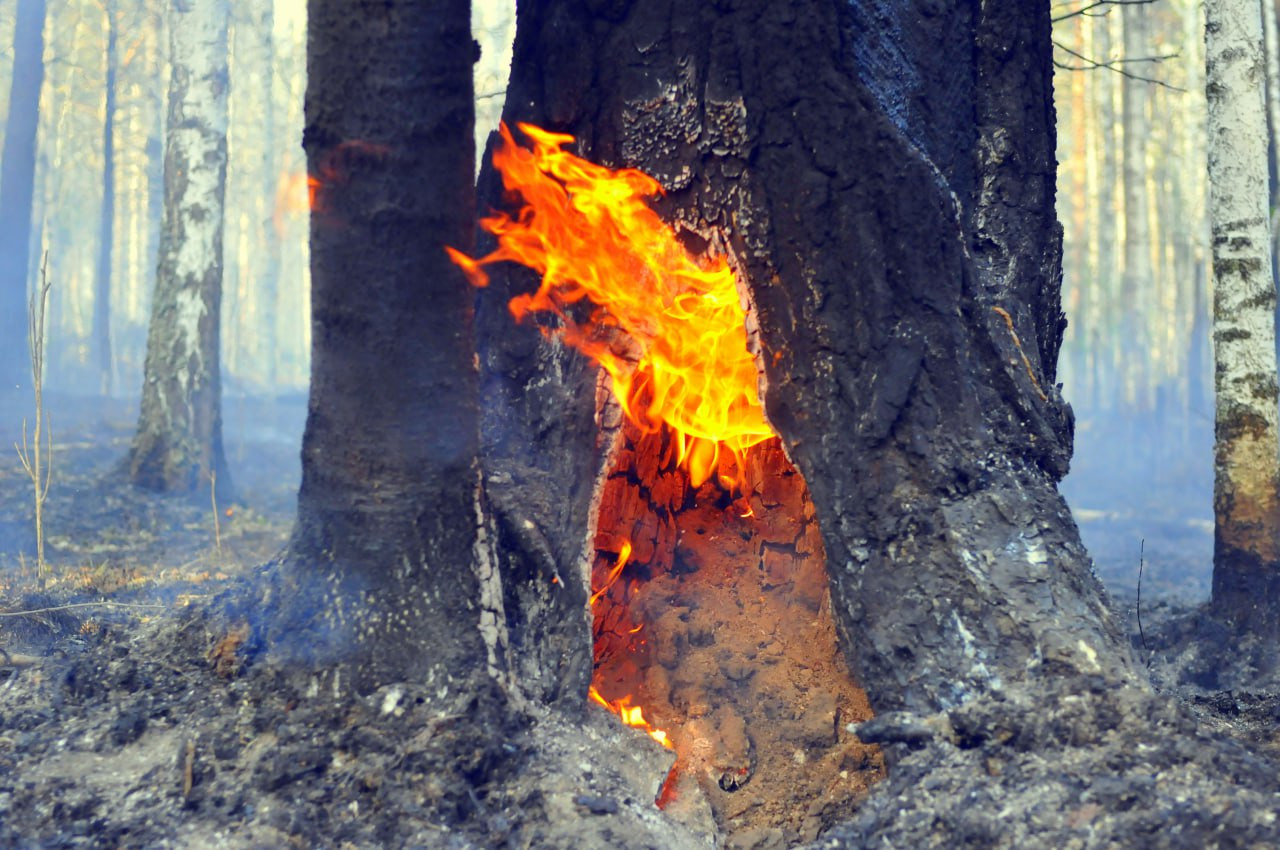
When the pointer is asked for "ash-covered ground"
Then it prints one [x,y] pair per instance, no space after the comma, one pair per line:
[159,720]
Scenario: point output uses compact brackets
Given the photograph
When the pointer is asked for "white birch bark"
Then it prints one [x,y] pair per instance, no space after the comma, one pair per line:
[179,440]
[1245,452]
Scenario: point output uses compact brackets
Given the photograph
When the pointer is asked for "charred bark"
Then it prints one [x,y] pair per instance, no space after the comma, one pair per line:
[882,175]
[178,444]
[386,577]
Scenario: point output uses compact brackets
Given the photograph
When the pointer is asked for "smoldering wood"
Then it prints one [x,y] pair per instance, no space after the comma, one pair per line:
[877,216]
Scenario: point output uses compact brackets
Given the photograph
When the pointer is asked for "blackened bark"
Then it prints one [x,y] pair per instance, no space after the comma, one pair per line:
[887,194]
[17,177]
[385,576]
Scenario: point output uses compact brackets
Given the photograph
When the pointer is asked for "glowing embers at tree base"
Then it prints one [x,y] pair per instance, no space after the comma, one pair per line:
[718,624]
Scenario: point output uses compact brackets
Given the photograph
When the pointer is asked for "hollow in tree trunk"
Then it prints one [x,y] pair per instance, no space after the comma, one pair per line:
[178,444]
[884,184]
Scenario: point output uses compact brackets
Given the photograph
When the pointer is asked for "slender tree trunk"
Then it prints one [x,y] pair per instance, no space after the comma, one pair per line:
[1137,280]
[17,175]
[386,577]
[178,445]
[106,226]
[1246,578]
[1106,338]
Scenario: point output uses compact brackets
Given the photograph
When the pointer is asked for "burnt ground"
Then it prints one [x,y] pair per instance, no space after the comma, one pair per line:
[137,710]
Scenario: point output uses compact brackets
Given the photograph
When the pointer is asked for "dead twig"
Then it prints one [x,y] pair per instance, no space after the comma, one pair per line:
[213,499]
[1087,10]
[39,469]
[1091,64]
[188,768]
[1141,552]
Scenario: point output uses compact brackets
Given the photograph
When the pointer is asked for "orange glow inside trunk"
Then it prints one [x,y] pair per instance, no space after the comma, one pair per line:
[711,616]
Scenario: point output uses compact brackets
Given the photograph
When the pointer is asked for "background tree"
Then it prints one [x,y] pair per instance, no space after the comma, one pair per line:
[1246,558]
[107,215]
[17,174]
[385,576]
[178,445]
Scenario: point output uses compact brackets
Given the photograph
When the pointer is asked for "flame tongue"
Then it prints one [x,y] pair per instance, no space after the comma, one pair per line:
[669,330]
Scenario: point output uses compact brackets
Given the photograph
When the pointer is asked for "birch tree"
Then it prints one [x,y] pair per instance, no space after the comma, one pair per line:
[1246,467]
[178,445]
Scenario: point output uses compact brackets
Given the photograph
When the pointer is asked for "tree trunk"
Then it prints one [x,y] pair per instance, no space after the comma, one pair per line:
[17,175]
[1246,582]
[884,183]
[106,226]
[1271,37]
[1137,279]
[386,577]
[178,445]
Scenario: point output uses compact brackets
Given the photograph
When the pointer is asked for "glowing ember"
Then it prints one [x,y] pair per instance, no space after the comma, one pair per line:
[632,715]
[669,329]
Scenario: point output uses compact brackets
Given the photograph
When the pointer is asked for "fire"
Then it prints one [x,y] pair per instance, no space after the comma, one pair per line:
[632,715]
[668,328]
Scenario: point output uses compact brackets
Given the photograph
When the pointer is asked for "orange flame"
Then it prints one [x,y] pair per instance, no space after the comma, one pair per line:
[669,329]
[632,715]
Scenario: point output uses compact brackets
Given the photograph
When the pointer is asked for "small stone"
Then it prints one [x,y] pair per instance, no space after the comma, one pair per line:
[597,805]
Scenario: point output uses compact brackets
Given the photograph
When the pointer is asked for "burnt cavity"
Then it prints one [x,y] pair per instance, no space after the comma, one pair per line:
[719,627]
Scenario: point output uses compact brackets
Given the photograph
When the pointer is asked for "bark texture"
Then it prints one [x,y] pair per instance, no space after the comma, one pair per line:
[17,175]
[386,576]
[882,175]
[1246,578]
[178,446]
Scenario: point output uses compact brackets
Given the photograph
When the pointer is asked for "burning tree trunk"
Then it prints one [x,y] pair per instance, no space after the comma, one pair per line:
[893,222]
[178,445]
[385,575]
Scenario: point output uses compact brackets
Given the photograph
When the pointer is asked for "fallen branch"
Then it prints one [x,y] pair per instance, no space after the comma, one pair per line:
[70,605]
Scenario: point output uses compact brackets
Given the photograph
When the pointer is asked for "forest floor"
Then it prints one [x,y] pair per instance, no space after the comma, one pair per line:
[132,716]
